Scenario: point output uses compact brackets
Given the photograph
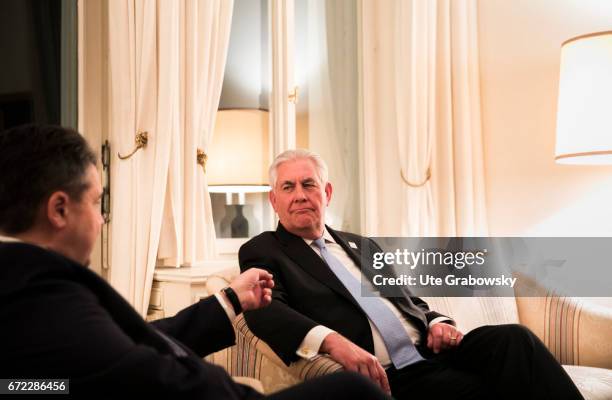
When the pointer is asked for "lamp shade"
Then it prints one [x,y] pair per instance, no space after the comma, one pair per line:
[584,112]
[239,156]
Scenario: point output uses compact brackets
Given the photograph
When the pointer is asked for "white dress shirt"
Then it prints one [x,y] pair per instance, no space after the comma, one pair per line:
[311,344]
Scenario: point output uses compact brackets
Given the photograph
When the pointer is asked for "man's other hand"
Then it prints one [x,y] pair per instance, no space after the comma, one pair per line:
[442,336]
[253,288]
[354,358]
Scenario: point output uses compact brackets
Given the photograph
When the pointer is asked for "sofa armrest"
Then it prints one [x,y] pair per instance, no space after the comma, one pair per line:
[253,358]
[576,331]
[248,381]
[318,366]
[244,334]
[269,368]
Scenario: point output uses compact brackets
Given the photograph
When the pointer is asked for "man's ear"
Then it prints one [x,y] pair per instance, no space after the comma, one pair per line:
[272,198]
[57,209]
[328,192]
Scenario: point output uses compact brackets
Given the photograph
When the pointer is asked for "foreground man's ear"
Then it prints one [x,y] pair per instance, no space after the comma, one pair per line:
[57,209]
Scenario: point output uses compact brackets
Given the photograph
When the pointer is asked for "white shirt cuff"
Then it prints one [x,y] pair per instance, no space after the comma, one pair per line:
[312,342]
[229,310]
[441,319]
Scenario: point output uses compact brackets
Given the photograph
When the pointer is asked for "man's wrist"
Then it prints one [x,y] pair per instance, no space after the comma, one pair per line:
[225,304]
[330,341]
[441,319]
[311,344]
[231,295]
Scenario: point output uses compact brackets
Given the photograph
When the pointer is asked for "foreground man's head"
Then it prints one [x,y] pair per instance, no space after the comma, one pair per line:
[50,190]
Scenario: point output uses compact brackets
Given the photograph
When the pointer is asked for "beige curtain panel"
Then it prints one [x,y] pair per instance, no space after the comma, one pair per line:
[421,113]
[166,62]
[188,234]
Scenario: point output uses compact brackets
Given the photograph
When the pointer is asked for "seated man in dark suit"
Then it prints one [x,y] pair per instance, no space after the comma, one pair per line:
[60,320]
[397,342]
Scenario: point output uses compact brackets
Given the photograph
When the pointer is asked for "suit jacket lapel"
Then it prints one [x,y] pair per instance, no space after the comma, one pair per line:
[351,252]
[305,257]
[403,303]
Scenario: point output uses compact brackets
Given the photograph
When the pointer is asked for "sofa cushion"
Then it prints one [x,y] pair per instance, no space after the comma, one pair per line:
[593,383]
[472,312]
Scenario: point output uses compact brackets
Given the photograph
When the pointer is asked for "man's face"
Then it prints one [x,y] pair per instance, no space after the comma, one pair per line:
[83,221]
[299,198]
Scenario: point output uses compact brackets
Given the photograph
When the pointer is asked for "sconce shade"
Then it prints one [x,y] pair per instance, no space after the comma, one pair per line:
[584,112]
[239,156]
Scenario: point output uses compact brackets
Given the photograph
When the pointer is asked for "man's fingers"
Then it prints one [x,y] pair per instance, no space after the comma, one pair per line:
[459,338]
[363,370]
[263,274]
[448,339]
[384,381]
[443,336]
[269,283]
[451,339]
[351,367]
[437,342]
[454,337]
[370,370]
[373,373]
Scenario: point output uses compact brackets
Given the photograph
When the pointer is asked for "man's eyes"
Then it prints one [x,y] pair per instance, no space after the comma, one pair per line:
[287,188]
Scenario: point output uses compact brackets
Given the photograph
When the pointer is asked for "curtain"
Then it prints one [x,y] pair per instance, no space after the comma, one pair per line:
[188,234]
[421,115]
[415,76]
[331,74]
[165,74]
[282,118]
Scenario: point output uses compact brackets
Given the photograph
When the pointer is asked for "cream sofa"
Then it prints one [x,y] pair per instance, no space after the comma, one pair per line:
[578,333]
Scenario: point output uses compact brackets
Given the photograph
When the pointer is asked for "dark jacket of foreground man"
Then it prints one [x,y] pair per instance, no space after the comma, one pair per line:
[60,320]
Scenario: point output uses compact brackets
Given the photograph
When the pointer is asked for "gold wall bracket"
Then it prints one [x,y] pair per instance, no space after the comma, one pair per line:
[293,95]
[141,141]
[202,158]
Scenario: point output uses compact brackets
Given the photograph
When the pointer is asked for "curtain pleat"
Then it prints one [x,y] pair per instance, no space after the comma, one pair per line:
[166,63]
[422,128]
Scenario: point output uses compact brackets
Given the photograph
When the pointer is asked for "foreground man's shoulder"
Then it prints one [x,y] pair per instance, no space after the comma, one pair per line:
[264,238]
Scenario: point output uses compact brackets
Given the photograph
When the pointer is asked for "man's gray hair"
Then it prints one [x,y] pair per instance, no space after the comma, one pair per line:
[298,154]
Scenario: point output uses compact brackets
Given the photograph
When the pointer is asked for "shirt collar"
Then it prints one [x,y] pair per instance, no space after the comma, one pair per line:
[9,239]
[326,235]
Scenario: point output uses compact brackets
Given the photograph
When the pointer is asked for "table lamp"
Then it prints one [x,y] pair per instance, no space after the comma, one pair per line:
[238,160]
[584,113]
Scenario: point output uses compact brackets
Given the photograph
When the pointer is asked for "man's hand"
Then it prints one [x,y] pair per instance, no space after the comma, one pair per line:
[443,336]
[253,288]
[354,358]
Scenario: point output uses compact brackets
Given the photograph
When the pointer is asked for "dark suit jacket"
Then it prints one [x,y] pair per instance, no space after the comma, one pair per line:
[60,320]
[307,293]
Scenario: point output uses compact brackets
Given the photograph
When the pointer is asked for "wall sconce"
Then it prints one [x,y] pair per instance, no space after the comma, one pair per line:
[239,160]
[584,112]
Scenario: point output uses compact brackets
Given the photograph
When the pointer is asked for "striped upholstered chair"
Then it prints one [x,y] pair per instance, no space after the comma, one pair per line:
[577,332]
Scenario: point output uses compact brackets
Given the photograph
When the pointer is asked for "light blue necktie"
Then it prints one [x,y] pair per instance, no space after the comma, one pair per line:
[398,343]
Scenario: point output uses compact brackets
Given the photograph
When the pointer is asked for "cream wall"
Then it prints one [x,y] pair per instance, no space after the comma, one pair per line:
[526,192]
